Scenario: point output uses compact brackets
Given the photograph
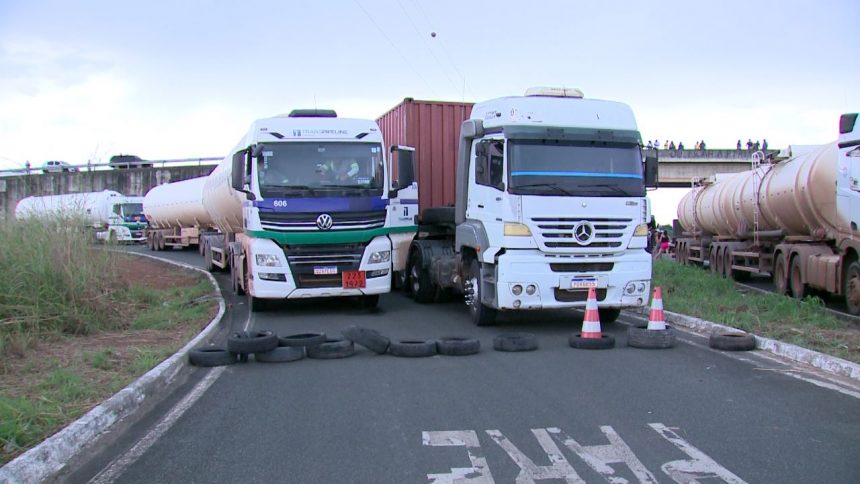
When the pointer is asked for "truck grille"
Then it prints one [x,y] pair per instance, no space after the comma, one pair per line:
[558,234]
[304,258]
[577,296]
[286,222]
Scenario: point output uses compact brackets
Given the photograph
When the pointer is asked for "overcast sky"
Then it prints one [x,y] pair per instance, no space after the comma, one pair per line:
[173,79]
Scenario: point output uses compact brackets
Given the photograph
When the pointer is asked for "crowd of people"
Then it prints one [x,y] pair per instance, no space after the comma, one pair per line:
[701,146]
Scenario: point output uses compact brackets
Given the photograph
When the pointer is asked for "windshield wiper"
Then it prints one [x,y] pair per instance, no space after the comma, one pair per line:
[614,188]
[549,185]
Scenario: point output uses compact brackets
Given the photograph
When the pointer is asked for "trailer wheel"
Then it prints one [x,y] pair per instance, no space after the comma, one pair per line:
[737,275]
[719,263]
[207,258]
[798,288]
[481,314]
[234,279]
[161,245]
[681,253]
[852,287]
[419,279]
[780,275]
[712,260]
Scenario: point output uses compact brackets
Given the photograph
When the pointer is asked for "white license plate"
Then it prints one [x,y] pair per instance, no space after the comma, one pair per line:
[581,283]
[325,270]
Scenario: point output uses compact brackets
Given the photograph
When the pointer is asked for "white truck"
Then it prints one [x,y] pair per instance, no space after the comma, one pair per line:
[112,216]
[550,201]
[304,207]
[176,215]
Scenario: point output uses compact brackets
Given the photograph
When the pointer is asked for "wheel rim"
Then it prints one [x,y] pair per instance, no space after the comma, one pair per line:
[779,275]
[473,296]
[414,276]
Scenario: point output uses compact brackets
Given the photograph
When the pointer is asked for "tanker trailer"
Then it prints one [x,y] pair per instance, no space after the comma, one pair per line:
[108,213]
[176,215]
[794,220]
[306,208]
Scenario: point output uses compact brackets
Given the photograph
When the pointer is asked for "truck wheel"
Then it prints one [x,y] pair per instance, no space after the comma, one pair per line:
[851,288]
[481,314]
[419,279]
[234,278]
[207,258]
[161,242]
[608,315]
[112,239]
[780,275]
[798,288]
[712,260]
[149,242]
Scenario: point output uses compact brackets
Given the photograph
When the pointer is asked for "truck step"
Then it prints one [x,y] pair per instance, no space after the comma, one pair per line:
[753,255]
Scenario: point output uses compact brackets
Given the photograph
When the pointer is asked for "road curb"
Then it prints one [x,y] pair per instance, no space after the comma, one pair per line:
[48,458]
[828,363]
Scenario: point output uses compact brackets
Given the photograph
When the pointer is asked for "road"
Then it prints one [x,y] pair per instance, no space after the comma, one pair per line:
[556,413]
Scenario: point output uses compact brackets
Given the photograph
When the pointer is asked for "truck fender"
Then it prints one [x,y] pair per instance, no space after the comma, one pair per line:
[472,234]
[431,249]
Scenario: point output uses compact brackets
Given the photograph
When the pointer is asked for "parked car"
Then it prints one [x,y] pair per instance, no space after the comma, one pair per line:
[54,166]
[128,161]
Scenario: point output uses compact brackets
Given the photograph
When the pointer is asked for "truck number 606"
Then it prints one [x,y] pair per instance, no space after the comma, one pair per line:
[280,203]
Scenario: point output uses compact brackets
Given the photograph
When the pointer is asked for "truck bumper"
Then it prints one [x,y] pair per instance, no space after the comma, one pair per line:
[555,288]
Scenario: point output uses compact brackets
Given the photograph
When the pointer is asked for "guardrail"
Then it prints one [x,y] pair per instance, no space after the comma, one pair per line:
[107,166]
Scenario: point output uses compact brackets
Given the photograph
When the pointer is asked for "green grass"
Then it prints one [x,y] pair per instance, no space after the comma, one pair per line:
[101,359]
[148,358]
[692,291]
[172,306]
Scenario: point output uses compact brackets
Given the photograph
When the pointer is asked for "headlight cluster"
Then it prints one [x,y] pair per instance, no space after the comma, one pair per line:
[381,256]
[517,289]
[267,260]
[635,287]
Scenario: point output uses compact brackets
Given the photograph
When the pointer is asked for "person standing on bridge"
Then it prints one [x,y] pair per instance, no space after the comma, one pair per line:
[764,145]
[702,145]
[739,145]
[680,145]
[650,144]
[749,144]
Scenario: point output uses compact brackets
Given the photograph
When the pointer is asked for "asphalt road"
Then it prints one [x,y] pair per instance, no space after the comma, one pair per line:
[641,415]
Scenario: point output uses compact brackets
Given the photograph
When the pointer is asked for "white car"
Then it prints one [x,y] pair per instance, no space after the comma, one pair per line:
[57,167]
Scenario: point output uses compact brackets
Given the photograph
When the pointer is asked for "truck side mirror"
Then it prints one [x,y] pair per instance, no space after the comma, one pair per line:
[238,175]
[405,166]
[651,169]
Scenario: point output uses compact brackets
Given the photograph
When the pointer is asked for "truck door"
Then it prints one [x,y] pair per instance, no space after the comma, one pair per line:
[402,204]
[487,184]
[848,171]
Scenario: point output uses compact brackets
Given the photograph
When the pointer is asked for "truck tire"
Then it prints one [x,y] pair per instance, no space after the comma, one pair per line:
[161,244]
[412,348]
[421,286]
[608,315]
[851,288]
[246,342]
[798,288]
[604,342]
[515,342]
[149,242]
[332,348]
[457,346]
[302,339]
[481,315]
[208,357]
[369,338]
[234,279]
[438,216]
[651,339]
[207,258]
[732,341]
[780,275]
[280,354]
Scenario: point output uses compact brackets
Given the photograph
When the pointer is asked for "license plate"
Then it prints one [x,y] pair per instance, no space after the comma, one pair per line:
[582,283]
[325,270]
[353,279]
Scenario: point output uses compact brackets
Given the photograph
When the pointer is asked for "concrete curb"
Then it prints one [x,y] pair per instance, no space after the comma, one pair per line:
[48,458]
[828,363]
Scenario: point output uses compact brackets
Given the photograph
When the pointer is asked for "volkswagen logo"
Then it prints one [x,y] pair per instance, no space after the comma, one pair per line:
[583,233]
[324,221]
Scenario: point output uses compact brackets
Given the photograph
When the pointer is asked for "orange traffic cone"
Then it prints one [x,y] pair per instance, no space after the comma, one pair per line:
[656,320]
[591,322]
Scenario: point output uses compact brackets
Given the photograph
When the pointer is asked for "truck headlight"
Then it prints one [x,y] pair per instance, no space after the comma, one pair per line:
[381,256]
[641,230]
[517,230]
[267,260]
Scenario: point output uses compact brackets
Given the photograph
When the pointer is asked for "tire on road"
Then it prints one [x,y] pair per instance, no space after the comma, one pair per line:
[515,342]
[302,339]
[604,342]
[457,346]
[369,338]
[332,348]
[726,341]
[214,356]
[650,339]
[412,348]
[246,342]
[281,354]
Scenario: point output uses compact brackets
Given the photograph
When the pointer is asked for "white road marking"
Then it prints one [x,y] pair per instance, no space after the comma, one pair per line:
[598,457]
[249,321]
[479,473]
[699,467]
[529,471]
[119,465]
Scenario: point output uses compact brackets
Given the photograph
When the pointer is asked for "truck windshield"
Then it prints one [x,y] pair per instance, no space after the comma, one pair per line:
[322,169]
[126,209]
[575,168]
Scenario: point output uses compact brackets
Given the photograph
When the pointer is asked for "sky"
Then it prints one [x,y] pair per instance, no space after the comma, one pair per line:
[88,79]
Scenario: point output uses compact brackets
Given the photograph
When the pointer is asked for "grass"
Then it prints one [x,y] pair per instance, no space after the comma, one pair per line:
[171,306]
[692,291]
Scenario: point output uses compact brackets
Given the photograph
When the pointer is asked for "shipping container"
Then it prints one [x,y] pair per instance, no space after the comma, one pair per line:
[433,129]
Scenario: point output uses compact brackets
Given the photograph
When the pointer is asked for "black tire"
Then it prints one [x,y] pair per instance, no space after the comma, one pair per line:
[608,315]
[438,215]
[422,289]
[281,354]
[302,339]
[234,280]
[161,244]
[732,341]
[515,342]
[412,348]
[798,288]
[851,287]
[208,357]
[605,342]
[650,339]
[780,275]
[369,338]
[481,315]
[370,302]
[457,346]
[252,342]
[333,348]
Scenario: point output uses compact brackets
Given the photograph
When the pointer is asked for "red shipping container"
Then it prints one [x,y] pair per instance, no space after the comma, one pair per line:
[433,129]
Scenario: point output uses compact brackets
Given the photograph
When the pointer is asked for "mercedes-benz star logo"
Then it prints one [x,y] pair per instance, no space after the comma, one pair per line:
[324,221]
[583,232]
